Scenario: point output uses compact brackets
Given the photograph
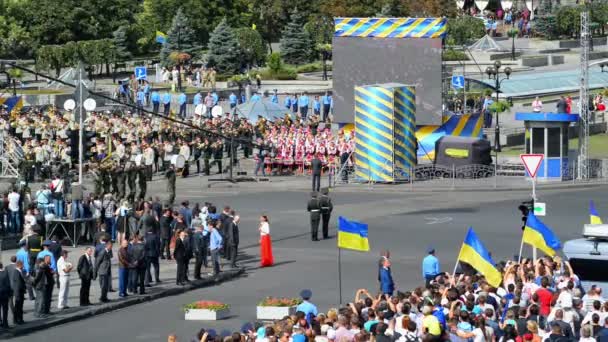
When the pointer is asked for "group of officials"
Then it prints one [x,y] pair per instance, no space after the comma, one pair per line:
[41,265]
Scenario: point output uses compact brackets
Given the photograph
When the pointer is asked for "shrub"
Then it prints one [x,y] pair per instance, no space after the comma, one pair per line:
[284,74]
[454,55]
[310,67]
[275,62]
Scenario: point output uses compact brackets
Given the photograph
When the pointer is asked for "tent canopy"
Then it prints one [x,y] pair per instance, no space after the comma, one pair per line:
[486,44]
[261,108]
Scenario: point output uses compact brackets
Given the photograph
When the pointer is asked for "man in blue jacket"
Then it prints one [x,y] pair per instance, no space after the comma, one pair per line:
[155,98]
[386,279]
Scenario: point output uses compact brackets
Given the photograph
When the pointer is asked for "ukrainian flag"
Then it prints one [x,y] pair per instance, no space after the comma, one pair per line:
[161,38]
[474,253]
[595,217]
[352,235]
[538,235]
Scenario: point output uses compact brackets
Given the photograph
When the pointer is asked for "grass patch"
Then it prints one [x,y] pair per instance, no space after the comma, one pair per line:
[598,147]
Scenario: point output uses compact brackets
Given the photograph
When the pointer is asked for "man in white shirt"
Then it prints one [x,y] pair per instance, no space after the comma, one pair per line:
[14,221]
[64,267]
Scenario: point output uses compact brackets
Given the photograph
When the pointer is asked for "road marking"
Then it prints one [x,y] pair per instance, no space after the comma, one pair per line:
[438,220]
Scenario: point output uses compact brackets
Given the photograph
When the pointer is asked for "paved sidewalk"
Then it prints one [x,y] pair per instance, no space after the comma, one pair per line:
[166,287]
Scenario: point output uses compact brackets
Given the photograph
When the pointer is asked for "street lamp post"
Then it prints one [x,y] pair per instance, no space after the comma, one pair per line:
[494,73]
[512,35]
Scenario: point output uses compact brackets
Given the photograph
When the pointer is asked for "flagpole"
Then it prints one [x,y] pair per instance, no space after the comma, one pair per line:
[457,261]
[521,248]
[340,274]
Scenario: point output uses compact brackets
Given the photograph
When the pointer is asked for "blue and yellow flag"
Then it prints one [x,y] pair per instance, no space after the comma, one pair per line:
[352,235]
[161,38]
[475,254]
[595,217]
[538,235]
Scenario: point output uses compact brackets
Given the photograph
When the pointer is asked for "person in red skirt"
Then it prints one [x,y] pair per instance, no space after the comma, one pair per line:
[266,258]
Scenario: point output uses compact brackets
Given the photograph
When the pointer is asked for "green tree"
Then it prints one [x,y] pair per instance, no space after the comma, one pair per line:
[50,57]
[568,20]
[296,45]
[251,44]
[180,38]
[223,49]
[121,41]
[180,42]
[15,40]
[462,30]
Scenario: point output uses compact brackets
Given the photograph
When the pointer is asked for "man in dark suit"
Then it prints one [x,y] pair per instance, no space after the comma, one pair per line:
[316,166]
[165,234]
[233,238]
[86,273]
[152,251]
[18,287]
[5,294]
[201,244]
[179,253]
[138,273]
[103,264]
[10,270]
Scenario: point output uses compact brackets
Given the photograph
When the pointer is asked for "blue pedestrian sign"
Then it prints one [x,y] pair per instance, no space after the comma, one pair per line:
[141,73]
[458,82]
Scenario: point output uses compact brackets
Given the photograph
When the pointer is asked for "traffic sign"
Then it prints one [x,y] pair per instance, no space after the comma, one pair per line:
[532,162]
[141,73]
[540,209]
[458,82]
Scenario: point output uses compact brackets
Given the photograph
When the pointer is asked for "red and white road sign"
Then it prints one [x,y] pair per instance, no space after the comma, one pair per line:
[532,162]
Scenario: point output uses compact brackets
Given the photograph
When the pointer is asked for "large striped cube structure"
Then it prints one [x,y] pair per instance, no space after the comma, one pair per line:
[385,128]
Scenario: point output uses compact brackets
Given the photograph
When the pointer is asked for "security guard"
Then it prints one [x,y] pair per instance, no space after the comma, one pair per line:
[114,178]
[121,179]
[314,208]
[326,208]
[97,180]
[218,154]
[208,152]
[105,180]
[131,178]
[170,174]
[34,245]
[142,178]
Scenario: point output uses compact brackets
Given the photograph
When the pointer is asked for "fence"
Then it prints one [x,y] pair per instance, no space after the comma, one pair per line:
[501,176]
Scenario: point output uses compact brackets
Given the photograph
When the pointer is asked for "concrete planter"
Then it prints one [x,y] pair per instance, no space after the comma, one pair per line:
[206,315]
[271,313]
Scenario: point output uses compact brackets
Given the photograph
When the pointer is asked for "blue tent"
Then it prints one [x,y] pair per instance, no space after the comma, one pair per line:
[262,108]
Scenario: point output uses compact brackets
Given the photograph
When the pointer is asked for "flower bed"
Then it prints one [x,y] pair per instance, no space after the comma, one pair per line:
[206,310]
[271,308]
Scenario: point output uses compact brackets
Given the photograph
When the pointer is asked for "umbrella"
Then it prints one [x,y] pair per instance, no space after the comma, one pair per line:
[264,108]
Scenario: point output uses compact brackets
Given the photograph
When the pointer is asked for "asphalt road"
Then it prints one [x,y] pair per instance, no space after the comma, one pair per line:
[404,223]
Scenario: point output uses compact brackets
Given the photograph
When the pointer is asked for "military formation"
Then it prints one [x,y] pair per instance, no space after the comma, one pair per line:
[320,208]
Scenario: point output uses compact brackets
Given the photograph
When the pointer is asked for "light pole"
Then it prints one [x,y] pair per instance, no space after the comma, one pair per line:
[512,35]
[494,73]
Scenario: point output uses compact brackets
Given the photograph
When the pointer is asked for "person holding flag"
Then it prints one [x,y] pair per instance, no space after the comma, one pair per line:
[474,253]
[595,217]
[538,235]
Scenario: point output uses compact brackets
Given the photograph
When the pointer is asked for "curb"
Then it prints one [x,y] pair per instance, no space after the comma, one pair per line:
[95,310]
